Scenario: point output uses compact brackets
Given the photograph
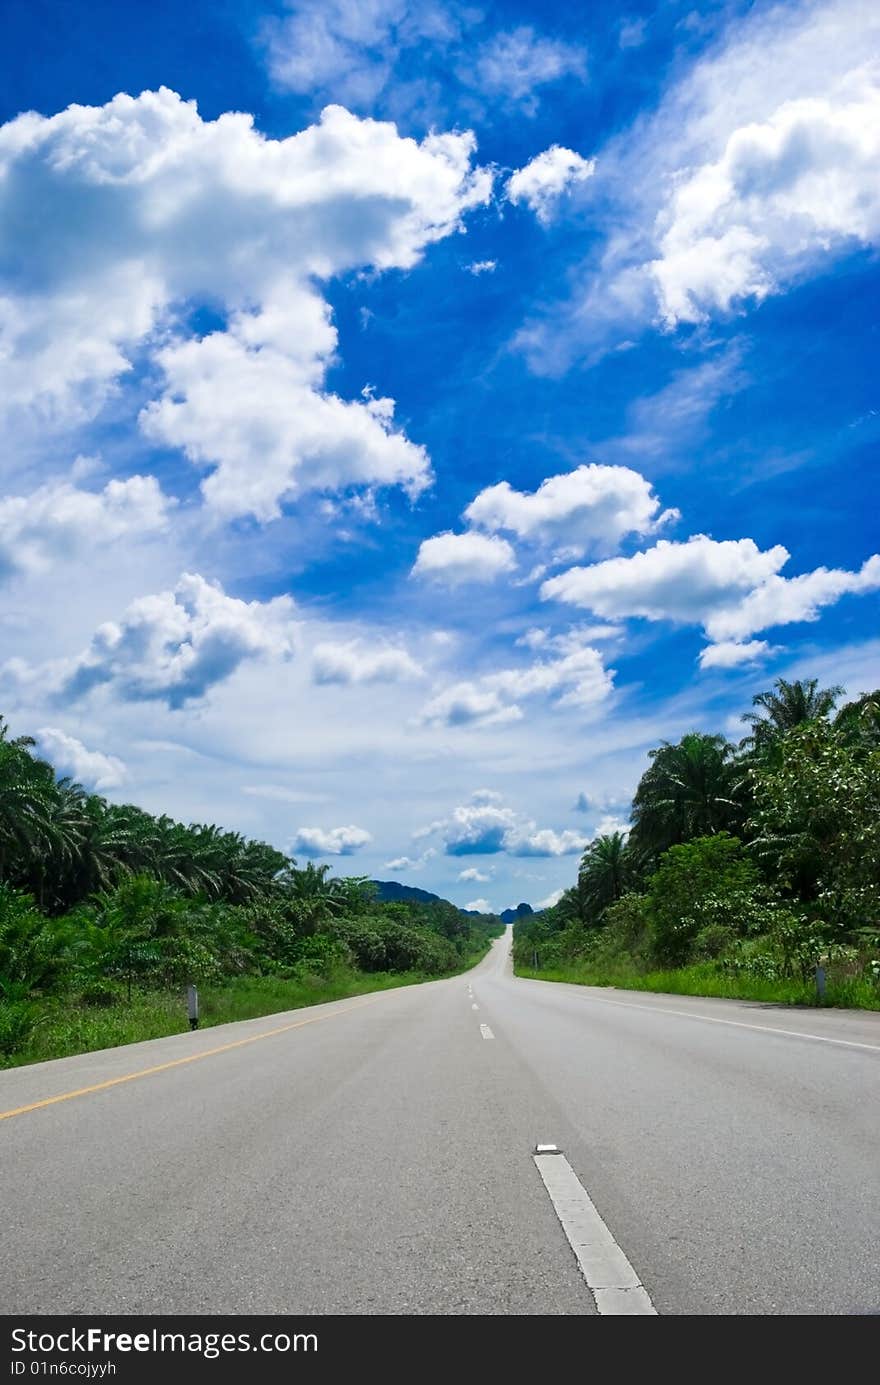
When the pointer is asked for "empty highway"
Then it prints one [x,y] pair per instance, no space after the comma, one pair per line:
[375,1155]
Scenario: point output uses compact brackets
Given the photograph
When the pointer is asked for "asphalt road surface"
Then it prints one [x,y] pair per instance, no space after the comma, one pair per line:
[375,1155]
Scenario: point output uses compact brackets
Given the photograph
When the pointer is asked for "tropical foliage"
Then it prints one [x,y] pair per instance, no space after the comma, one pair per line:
[101,903]
[758,859]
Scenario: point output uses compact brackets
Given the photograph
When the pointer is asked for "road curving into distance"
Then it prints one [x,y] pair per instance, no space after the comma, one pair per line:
[377,1155]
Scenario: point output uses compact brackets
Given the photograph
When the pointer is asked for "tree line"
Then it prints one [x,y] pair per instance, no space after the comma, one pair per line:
[102,901]
[758,858]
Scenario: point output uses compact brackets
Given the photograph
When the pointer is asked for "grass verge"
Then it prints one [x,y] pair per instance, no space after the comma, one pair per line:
[62,1028]
[704,979]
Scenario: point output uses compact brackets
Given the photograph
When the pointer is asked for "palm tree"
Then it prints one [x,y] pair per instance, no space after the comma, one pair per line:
[604,874]
[27,801]
[785,706]
[314,896]
[692,789]
[859,721]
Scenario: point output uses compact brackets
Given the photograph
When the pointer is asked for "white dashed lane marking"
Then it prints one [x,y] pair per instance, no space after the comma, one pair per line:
[610,1277]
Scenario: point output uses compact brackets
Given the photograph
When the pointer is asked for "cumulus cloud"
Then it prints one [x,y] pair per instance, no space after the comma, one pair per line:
[732,654]
[178,644]
[546,842]
[578,678]
[60,521]
[786,191]
[247,404]
[542,182]
[469,704]
[477,267]
[479,906]
[91,768]
[757,170]
[771,142]
[787,600]
[356,663]
[458,558]
[592,507]
[476,876]
[134,186]
[335,841]
[730,587]
[481,828]
[478,829]
[684,582]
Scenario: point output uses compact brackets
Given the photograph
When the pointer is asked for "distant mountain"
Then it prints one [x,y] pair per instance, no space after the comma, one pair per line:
[388,890]
[511,915]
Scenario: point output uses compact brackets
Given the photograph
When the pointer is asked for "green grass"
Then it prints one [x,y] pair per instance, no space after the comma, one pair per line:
[64,1028]
[705,979]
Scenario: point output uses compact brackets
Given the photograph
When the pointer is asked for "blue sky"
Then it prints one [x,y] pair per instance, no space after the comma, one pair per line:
[414,413]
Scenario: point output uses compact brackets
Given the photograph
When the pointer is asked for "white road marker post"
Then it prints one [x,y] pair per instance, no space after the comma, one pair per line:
[192,1006]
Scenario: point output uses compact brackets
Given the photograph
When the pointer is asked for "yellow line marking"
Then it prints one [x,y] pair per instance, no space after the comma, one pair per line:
[180,1062]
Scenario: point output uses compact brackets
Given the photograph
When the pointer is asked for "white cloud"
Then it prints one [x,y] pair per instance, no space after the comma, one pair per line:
[250,409]
[684,582]
[410,862]
[633,33]
[359,52]
[476,876]
[546,842]
[59,522]
[542,182]
[787,600]
[756,171]
[732,588]
[469,704]
[355,663]
[477,829]
[515,63]
[337,841]
[592,507]
[609,824]
[458,558]
[786,192]
[576,679]
[579,677]
[486,827]
[551,899]
[176,645]
[348,47]
[731,654]
[479,906]
[91,768]
[477,267]
[132,186]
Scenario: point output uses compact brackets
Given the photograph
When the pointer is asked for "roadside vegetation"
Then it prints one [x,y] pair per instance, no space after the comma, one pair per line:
[107,913]
[747,866]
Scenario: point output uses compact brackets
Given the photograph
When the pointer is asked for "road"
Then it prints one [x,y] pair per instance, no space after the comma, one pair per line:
[375,1155]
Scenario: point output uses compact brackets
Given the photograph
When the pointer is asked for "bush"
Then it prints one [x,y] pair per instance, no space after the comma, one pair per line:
[707,883]
[17,1020]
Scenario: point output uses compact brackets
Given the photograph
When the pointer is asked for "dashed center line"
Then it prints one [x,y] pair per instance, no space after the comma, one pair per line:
[486,1031]
[611,1279]
[475,1007]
